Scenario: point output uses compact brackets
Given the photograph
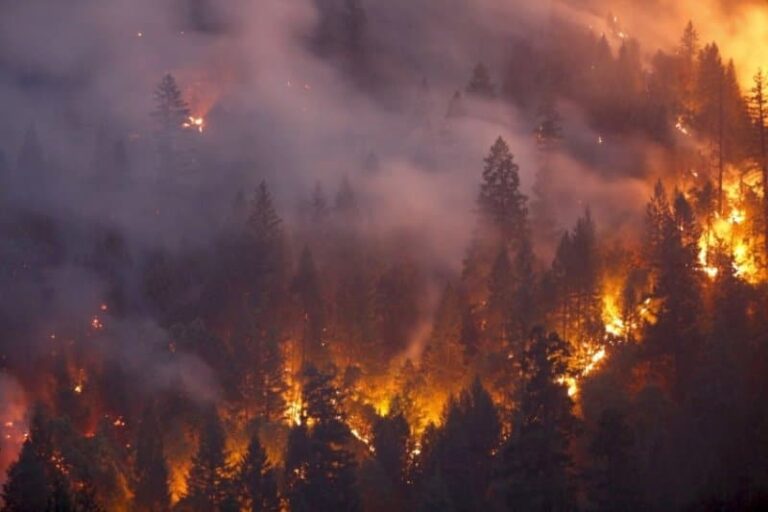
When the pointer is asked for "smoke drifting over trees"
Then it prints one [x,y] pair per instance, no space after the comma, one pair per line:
[354,255]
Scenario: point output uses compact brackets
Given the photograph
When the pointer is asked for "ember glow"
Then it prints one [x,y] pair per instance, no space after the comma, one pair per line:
[347,255]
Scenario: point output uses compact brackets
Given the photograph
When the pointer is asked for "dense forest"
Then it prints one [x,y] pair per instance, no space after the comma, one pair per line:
[529,274]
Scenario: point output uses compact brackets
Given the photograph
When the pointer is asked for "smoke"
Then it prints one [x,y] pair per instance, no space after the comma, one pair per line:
[277,108]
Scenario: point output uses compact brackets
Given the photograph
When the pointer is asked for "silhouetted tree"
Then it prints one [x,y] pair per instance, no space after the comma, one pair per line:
[208,477]
[535,462]
[480,83]
[151,492]
[257,480]
[27,487]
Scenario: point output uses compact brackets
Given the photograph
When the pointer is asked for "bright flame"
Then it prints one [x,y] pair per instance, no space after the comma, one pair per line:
[194,123]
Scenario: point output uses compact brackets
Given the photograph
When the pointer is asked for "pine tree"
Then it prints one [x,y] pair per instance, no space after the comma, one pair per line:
[151,492]
[264,224]
[171,113]
[271,363]
[208,478]
[390,442]
[322,471]
[265,269]
[549,134]
[501,204]
[524,312]
[27,486]
[674,234]
[463,450]
[688,50]
[257,479]
[535,462]
[710,112]
[311,308]
[498,314]
[575,272]
[480,83]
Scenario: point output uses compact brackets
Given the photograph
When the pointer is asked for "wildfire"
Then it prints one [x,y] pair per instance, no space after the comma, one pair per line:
[731,234]
[194,123]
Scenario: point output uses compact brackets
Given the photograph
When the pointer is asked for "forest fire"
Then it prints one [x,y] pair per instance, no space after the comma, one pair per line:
[194,123]
[537,288]
[734,232]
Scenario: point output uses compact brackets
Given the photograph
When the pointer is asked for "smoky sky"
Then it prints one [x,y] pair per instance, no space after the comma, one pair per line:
[81,71]
[277,110]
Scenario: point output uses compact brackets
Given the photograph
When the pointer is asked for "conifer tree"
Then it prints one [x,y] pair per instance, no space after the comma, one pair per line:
[323,471]
[673,235]
[549,134]
[463,451]
[311,308]
[27,486]
[535,462]
[688,51]
[480,83]
[151,492]
[170,114]
[264,224]
[390,440]
[257,479]
[207,483]
[501,204]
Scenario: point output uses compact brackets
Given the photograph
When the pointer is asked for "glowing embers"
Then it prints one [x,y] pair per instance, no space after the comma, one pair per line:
[194,123]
